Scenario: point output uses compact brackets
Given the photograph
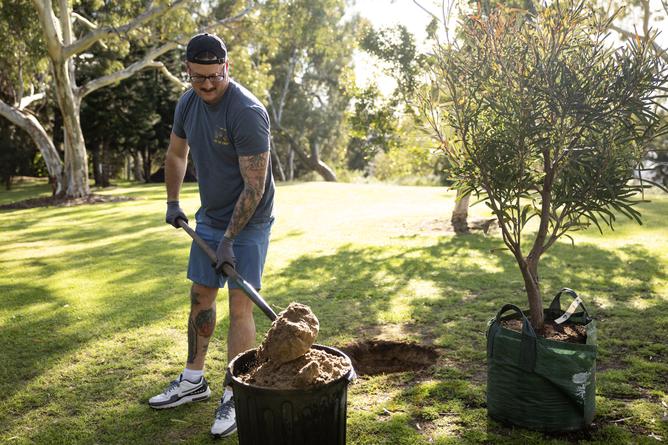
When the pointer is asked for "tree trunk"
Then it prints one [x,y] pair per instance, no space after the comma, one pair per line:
[319,166]
[313,162]
[30,125]
[8,183]
[291,164]
[459,219]
[278,166]
[147,165]
[137,166]
[97,166]
[529,268]
[104,161]
[76,159]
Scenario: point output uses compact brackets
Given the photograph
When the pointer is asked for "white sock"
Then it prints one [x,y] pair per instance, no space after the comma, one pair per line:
[228,393]
[192,375]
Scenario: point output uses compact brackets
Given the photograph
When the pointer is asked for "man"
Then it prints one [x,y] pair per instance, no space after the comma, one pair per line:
[226,130]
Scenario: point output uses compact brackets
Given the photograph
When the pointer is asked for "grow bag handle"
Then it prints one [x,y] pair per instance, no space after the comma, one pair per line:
[528,342]
[555,306]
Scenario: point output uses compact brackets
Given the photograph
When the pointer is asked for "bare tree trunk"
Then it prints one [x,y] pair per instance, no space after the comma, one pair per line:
[76,159]
[291,164]
[147,165]
[104,164]
[97,166]
[459,219]
[322,168]
[38,134]
[138,166]
[57,34]
[529,269]
[276,160]
[313,161]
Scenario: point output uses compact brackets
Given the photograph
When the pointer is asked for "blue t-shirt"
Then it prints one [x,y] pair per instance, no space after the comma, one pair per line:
[218,134]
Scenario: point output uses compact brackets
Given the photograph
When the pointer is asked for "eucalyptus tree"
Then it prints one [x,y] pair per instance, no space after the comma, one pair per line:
[23,68]
[543,119]
[643,18]
[305,47]
[67,36]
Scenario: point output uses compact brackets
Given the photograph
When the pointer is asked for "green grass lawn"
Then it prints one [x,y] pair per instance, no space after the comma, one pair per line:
[94,302]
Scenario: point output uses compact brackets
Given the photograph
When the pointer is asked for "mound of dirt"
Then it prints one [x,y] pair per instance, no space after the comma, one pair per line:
[291,335]
[286,360]
[52,201]
[316,367]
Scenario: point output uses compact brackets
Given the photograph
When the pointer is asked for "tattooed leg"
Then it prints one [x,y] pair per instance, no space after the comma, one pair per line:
[201,324]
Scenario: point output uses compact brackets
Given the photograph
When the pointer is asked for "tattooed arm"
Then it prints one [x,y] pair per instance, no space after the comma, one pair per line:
[254,173]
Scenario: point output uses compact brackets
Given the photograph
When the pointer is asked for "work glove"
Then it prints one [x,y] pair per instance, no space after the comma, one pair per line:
[174,213]
[225,254]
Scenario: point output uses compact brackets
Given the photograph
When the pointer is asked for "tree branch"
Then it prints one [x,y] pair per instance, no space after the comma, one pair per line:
[90,25]
[82,44]
[171,77]
[26,101]
[51,28]
[31,125]
[148,61]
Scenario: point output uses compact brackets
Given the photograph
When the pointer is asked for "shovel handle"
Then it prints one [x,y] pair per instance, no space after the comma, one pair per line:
[230,272]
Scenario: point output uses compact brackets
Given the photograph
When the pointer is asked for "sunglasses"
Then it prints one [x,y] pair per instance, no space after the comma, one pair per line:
[201,79]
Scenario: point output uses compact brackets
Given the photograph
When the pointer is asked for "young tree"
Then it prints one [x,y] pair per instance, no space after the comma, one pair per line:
[164,24]
[548,123]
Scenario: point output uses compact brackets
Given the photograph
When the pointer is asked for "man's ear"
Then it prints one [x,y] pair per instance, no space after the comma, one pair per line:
[187,66]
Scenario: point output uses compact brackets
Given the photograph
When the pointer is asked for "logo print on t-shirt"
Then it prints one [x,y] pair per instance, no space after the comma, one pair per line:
[220,137]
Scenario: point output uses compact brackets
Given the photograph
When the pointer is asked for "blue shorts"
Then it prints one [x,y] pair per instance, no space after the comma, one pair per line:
[250,250]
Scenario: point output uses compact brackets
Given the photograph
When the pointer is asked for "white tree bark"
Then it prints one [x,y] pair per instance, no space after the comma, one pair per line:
[31,125]
[61,49]
[460,214]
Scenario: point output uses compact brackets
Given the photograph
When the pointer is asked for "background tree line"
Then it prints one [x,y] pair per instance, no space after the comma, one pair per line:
[94,94]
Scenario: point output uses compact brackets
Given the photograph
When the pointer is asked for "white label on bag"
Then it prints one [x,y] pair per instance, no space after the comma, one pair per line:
[571,309]
[581,380]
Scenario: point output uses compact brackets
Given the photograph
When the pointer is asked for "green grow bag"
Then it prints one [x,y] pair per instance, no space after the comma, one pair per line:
[541,384]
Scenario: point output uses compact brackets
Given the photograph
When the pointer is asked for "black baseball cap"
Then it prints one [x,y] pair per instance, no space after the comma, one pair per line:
[201,48]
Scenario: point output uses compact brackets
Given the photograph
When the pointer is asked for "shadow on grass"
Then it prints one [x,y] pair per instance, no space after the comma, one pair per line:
[356,289]
[352,291]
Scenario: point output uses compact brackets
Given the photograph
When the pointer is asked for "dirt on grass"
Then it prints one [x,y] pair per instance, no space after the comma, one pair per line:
[569,333]
[53,201]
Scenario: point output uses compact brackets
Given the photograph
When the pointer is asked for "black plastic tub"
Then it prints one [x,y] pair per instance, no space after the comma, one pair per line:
[313,416]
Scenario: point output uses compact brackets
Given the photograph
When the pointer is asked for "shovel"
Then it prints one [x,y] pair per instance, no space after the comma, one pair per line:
[230,272]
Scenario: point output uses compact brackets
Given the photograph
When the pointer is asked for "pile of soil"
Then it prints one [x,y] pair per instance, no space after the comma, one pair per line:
[286,360]
[566,332]
[291,335]
[55,201]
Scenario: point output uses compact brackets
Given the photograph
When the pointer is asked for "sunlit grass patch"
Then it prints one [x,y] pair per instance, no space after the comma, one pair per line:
[94,301]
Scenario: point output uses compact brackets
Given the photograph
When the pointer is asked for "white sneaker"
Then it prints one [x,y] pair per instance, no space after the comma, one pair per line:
[226,422]
[181,391]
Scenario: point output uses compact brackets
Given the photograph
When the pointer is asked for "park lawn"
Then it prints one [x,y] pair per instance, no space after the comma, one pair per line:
[94,303]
